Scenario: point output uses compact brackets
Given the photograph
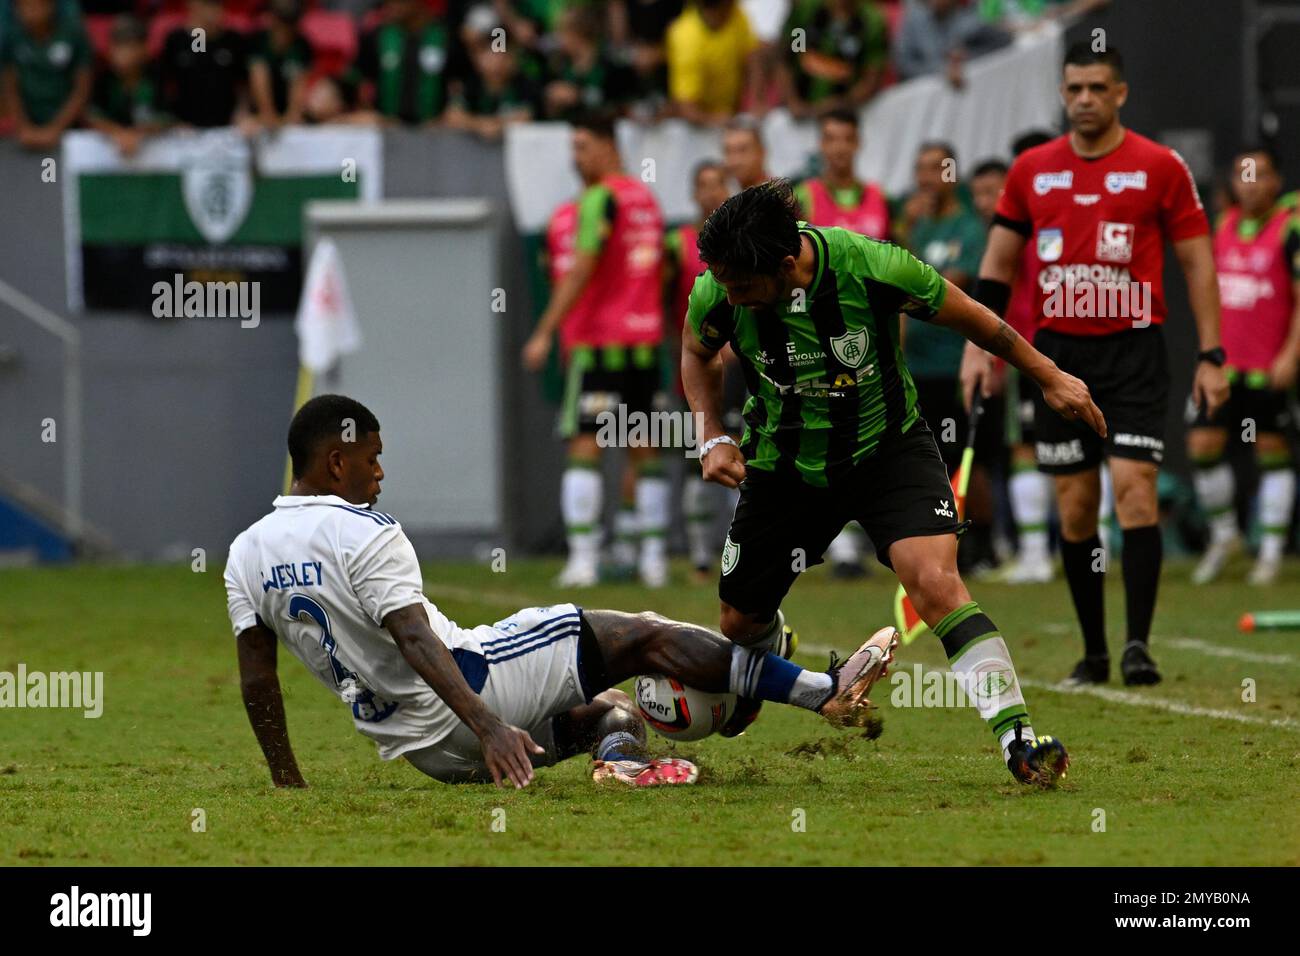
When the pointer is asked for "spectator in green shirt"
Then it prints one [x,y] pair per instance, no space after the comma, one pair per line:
[496,92]
[582,76]
[944,232]
[279,60]
[404,65]
[127,102]
[837,54]
[46,73]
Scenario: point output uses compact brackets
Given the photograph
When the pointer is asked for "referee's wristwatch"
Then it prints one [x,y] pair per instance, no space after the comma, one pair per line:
[1215,356]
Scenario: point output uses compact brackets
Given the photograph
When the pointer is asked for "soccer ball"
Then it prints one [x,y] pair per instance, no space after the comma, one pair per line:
[679,712]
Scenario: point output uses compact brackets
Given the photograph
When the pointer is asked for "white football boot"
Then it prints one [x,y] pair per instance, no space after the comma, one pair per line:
[578,573]
[1028,570]
[1265,571]
[1216,556]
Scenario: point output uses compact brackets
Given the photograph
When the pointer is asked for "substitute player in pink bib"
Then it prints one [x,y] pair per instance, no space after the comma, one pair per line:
[837,197]
[1257,253]
[608,312]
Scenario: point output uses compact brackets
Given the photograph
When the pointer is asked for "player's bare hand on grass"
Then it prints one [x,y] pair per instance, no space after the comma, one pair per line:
[1069,397]
[536,350]
[505,751]
[1209,387]
[724,464]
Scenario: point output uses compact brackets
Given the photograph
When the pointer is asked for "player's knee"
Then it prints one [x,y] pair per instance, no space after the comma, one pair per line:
[935,590]
[1271,446]
[739,627]
[1205,444]
[1078,514]
[1136,503]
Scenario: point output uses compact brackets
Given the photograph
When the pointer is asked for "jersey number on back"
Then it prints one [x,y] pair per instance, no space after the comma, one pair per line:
[365,705]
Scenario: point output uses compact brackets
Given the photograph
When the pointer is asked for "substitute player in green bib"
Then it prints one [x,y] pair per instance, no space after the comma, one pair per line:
[833,434]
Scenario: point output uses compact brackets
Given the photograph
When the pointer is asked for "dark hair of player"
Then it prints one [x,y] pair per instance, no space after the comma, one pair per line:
[1029,139]
[599,123]
[1082,54]
[321,419]
[938,146]
[839,115]
[990,166]
[704,165]
[753,231]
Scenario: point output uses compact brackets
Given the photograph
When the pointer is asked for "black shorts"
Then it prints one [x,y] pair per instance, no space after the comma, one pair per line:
[600,378]
[941,405]
[783,526]
[1128,376]
[1249,398]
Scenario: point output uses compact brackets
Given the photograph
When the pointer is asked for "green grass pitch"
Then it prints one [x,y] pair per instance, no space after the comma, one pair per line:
[1185,773]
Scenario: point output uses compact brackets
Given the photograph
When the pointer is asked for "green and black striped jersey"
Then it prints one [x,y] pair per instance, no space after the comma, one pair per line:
[826,375]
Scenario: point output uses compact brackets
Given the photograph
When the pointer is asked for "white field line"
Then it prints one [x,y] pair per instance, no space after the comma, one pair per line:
[1218,650]
[1131,699]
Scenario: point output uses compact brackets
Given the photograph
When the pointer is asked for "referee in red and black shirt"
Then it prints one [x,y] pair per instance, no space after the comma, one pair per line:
[1096,207]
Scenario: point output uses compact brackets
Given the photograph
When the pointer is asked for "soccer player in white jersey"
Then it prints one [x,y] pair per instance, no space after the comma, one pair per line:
[337,583]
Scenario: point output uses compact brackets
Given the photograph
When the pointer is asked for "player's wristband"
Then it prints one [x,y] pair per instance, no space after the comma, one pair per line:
[993,294]
[712,443]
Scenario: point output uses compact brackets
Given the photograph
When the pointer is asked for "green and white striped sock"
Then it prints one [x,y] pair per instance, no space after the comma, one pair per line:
[979,657]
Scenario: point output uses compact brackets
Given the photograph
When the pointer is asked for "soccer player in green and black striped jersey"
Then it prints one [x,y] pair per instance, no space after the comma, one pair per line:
[833,433]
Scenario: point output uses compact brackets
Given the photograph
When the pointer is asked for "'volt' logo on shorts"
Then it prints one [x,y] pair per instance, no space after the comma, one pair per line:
[943,509]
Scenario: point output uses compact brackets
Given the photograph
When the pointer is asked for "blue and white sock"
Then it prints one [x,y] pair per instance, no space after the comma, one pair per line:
[762,675]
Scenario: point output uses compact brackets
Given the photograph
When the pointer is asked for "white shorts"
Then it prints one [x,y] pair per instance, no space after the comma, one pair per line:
[532,677]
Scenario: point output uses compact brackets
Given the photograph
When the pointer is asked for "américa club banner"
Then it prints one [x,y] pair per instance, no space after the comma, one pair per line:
[205,206]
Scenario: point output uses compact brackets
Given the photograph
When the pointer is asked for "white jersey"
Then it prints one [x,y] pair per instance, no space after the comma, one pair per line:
[322,573]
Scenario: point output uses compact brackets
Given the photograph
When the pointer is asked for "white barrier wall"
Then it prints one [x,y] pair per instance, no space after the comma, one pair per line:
[421,274]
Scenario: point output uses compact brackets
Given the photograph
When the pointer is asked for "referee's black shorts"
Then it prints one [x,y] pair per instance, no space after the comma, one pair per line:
[784,526]
[1128,376]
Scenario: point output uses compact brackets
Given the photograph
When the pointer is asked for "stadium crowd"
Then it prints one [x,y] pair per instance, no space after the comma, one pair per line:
[131,68]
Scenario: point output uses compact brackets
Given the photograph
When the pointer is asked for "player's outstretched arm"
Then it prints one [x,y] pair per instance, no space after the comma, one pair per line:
[505,748]
[702,374]
[260,687]
[1065,394]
